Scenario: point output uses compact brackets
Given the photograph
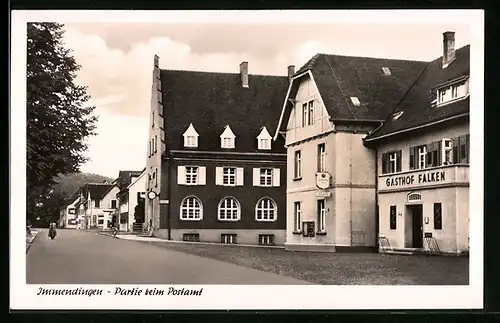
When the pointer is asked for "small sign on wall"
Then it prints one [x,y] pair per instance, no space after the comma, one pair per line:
[428,234]
[308,228]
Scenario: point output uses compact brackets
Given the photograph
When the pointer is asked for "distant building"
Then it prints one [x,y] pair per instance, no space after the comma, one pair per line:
[423,159]
[213,172]
[132,186]
[97,205]
[68,213]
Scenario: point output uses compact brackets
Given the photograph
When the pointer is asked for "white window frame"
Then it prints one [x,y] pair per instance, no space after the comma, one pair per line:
[192,175]
[297,164]
[190,141]
[310,116]
[393,162]
[422,156]
[223,206]
[453,92]
[190,137]
[305,114]
[297,216]
[192,207]
[321,216]
[227,142]
[447,152]
[228,238]
[270,206]
[229,176]
[264,143]
[265,239]
[266,174]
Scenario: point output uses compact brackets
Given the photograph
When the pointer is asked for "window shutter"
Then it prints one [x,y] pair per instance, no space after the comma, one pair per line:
[456,151]
[276,177]
[256,177]
[181,175]
[202,174]
[439,148]
[412,157]
[239,176]
[398,161]
[384,163]
[467,147]
[218,176]
[428,155]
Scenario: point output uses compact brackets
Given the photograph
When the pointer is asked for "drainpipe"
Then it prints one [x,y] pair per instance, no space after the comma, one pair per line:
[377,215]
[169,208]
[350,189]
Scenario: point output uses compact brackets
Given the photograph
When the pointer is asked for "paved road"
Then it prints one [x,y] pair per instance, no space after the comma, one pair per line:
[77,257]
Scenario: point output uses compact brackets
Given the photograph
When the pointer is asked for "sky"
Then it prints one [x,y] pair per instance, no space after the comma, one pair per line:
[117,63]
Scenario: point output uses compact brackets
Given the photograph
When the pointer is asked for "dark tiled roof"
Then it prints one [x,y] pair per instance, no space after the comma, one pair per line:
[210,101]
[339,78]
[97,191]
[125,177]
[416,104]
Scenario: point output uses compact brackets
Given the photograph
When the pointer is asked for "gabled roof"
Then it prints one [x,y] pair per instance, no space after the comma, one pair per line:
[97,190]
[210,101]
[137,179]
[339,78]
[125,177]
[416,106]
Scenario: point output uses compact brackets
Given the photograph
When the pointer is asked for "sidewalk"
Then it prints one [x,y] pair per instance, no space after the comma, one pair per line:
[30,239]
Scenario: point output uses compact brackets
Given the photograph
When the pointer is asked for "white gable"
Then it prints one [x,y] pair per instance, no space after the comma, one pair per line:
[228,133]
[190,137]
[264,139]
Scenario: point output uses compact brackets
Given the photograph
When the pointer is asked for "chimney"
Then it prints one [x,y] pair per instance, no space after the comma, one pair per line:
[448,48]
[244,74]
[291,71]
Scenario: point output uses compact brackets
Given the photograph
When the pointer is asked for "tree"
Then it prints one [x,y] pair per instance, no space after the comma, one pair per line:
[58,122]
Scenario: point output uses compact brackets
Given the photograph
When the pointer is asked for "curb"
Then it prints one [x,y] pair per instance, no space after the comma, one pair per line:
[32,240]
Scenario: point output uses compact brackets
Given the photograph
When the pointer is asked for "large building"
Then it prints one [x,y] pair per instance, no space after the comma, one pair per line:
[332,103]
[423,160]
[214,172]
[127,197]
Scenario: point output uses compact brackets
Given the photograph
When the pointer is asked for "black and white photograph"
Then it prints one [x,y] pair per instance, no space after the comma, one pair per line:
[174,160]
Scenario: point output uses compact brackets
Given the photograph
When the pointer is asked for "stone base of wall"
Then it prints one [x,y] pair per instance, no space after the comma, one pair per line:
[247,237]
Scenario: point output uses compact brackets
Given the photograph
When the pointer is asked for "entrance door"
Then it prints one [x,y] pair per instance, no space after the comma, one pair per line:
[417,240]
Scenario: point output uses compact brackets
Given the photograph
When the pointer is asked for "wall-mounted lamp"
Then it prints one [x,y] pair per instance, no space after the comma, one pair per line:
[400,213]
[426,220]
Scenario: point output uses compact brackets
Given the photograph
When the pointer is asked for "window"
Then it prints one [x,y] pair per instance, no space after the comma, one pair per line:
[229,209]
[297,171]
[391,162]
[266,177]
[321,158]
[266,210]
[393,217]
[266,239]
[421,152]
[447,151]
[191,209]
[191,175]
[152,119]
[191,237]
[156,143]
[100,221]
[265,144]
[113,204]
[296,216]
[321,213]
[97,203]
[71,211]
[227,143]
[355,101]
[453,92]
[229,175]
[386,71]
[190,141]
[461,149]
[308,113]
[156,177]
[311,113]
[433,154]
[438,219]
[228,238]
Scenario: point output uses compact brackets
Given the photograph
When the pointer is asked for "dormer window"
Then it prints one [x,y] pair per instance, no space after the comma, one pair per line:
[453,92]
[355,101]
[396,115]
[386,71]
[227,138]
[264,139]
[190,137]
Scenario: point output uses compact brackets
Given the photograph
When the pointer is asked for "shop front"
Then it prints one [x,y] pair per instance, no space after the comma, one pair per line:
[425,210]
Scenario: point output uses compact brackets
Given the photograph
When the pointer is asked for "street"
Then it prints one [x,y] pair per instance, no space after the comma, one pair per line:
[79,257]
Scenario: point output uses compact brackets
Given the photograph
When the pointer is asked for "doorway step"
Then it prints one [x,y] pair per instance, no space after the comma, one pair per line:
[403,251]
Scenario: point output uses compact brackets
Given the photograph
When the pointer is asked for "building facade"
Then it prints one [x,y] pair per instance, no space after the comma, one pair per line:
[423,160]
[215,174]
[98,203]
[68,214]
[331,104]
[127,200]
